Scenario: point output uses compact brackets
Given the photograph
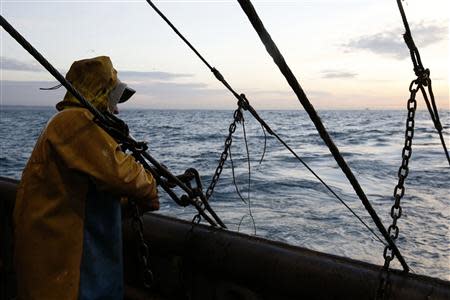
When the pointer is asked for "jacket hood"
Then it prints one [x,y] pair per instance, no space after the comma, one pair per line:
[94,78]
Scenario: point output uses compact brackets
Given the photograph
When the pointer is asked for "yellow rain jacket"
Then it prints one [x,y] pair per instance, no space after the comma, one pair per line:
[67,222]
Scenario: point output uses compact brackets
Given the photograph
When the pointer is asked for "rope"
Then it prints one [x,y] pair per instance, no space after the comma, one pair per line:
[424,76]
[272,49]
[242,100]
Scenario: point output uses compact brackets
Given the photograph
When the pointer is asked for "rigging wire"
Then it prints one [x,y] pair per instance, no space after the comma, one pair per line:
[249,176]
[233,173]
[423,75]
[242,99]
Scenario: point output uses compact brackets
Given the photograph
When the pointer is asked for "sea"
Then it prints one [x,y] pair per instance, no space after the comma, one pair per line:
[281,200]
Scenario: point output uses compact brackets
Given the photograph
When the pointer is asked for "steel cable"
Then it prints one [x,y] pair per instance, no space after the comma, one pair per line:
[424,76]
[279,60]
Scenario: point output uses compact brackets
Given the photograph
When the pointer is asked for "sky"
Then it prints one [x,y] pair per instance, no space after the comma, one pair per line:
[346,54]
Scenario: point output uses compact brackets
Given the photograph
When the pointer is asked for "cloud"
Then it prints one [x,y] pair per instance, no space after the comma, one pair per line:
[13,64]
[391,43]
[156,94]
[28,93]
[173,90]
[279,93]
[152,75]
[284,94]
[331,74]
[150,94]
[319,94]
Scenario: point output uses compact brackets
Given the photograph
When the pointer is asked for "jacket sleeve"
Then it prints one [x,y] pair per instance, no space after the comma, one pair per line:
[85,147]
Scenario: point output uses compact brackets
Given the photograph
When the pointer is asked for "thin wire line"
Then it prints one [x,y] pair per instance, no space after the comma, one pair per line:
[249,176]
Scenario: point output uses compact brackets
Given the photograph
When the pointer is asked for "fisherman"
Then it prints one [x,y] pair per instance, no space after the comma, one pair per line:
[67,215]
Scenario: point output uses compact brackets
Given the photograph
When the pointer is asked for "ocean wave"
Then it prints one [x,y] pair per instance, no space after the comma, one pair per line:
[287,202]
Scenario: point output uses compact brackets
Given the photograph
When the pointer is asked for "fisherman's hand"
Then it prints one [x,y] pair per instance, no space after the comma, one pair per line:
[148,205]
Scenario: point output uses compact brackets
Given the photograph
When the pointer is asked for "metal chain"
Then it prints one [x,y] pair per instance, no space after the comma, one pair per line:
[423,80]
[197,218]
[142,247]
[223,157]
[399,191]
[237,115]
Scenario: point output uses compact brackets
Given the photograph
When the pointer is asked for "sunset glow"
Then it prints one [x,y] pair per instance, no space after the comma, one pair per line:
[346,54]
